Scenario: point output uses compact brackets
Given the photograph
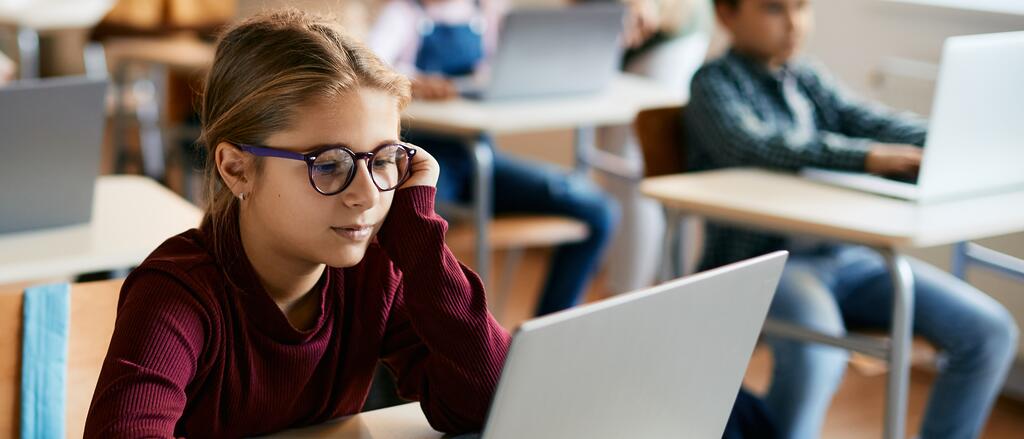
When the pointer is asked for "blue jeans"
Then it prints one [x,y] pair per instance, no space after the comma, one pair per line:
[521,186]
[834,288]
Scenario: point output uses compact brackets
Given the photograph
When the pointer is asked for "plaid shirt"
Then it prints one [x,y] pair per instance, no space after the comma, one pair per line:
[742,114]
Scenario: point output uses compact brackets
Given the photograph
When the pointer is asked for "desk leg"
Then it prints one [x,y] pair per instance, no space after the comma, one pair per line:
[120,113]
[958,266]
[28,52]
[151,141]
[483,163]
[584,142]
[669,246]
[900,338]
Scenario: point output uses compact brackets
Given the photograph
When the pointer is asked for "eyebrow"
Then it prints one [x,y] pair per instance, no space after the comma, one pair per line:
[378,145]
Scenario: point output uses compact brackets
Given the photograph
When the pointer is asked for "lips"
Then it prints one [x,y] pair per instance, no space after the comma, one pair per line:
[354,232]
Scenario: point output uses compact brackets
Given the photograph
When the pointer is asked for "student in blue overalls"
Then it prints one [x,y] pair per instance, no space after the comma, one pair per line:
[434,40]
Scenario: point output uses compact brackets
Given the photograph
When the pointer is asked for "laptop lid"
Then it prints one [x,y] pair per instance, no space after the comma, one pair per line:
[563,51]
[51,131]
[976,138]
[661,362]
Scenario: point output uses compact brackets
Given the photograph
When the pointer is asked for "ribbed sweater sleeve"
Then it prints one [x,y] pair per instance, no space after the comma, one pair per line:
[442,343]
[141,388]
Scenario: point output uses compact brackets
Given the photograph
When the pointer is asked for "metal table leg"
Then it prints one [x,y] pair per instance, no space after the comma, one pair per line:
[900,338]
[28,52]
[483,164]
[666,270]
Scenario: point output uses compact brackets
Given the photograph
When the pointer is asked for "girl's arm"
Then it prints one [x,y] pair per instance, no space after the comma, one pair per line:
[442,343]
[153,355]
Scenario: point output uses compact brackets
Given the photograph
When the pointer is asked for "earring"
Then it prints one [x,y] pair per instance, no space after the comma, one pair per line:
[241,196]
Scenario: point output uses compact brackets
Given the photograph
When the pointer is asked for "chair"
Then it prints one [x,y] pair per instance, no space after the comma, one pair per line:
[661,135]
[93,308]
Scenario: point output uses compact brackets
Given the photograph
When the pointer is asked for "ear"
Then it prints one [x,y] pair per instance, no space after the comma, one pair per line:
[235,168]
[726,14]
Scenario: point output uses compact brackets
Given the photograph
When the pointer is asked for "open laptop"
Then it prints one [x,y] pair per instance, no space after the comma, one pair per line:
[665,362]
[50,136]
[549,52]
[976,133]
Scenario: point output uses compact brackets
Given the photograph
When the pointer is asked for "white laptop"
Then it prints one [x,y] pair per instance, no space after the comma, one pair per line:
[665,362]
[976,134]
[550,52]
[52,132]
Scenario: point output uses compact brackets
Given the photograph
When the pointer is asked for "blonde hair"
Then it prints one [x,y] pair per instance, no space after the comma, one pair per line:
[264,69]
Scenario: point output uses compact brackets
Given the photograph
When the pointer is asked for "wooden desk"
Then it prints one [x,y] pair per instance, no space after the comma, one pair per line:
[132,215]
[404,421]
[473,120]
[788,204]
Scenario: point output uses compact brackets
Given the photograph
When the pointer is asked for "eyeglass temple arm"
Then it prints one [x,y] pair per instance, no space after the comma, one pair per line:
[270,152]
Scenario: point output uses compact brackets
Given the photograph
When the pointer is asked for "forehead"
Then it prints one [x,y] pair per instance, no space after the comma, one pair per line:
[361,119]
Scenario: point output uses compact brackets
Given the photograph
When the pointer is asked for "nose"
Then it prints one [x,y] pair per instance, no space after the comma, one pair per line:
[361,193]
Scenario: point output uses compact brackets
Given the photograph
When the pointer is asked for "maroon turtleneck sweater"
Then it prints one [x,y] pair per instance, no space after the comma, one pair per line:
[201,350]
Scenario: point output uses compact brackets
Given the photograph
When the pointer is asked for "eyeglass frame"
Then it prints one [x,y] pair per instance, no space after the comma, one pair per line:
[310,157]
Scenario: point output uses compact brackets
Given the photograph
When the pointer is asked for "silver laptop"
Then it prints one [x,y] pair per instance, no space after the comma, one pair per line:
[549,52]
[976,134]
[665,362]
[50,136]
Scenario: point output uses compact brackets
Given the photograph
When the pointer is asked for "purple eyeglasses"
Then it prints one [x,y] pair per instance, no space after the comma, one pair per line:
[333,167]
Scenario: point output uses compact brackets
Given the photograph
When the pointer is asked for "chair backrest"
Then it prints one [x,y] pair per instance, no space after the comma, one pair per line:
[662,139]
[93,309]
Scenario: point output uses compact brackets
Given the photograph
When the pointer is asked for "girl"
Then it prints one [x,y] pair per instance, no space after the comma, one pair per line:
[319,254]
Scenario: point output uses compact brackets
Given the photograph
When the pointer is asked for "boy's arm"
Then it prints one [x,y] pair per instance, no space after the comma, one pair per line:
[732,134]
[869,120]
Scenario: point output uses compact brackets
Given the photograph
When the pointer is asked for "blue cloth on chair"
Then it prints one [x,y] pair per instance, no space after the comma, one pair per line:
[44,360]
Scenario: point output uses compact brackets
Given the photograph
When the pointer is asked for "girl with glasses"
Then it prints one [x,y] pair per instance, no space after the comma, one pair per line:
[319,254]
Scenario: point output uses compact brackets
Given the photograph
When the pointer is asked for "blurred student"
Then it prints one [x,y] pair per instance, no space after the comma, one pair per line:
[761,105]
[435,40]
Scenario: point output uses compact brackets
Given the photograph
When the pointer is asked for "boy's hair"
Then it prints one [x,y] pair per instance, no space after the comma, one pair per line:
[730,3]
[265,68]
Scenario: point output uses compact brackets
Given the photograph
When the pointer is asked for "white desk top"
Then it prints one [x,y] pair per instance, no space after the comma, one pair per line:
[618,104]
[132,215]
[790,204]
[404,421]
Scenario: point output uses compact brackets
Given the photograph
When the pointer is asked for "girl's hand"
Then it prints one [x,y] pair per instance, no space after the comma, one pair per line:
[424,169]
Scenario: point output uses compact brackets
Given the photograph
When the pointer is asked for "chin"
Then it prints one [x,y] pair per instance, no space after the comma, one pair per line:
[345,257]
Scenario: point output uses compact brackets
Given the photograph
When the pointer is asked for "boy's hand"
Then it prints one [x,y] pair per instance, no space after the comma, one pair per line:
[424,169]
[893,159]
[432,88]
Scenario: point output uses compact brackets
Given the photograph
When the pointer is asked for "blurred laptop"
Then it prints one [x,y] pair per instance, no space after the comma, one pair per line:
[976,134]
[550,52]
[50,136]
[664,362]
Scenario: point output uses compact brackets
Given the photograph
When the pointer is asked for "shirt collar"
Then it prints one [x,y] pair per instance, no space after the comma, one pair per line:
[758,69]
